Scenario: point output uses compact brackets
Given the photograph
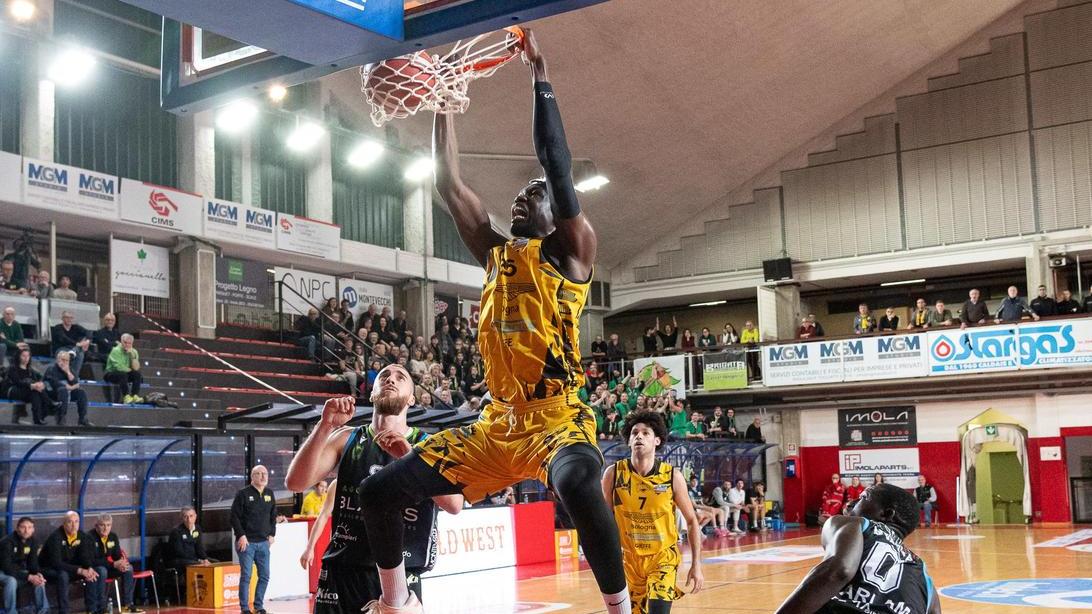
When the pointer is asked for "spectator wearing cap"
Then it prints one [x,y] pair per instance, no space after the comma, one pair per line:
[974,310]
[1043,305]
[1013,308]
[863,322]
[64,289]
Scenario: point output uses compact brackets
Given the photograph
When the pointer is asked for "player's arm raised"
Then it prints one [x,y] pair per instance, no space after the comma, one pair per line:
[694,578]
[574,242]
[843,542]
[321,451]
[466,208]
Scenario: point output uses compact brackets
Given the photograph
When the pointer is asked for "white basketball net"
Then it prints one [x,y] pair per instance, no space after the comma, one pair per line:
[422,82]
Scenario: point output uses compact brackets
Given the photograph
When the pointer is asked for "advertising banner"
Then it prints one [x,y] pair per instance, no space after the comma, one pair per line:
[725,370]
[137,268]
[154,205]
[243,283]
[306,236]
[11,178]
[661,374]
[1055,344]
[313,288]
[70,189]
[228,221]
[471,310]
[877,427]
[889,357]
[899,466]
[446,307]
[362,293]
[804,363]
[973,350]
[474,539]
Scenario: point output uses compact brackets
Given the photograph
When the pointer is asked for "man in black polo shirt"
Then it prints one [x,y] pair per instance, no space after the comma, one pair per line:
[69,556]
[254,522]
[1068,306]
[1044,305]
[19,563]
[109,555]
[184,546]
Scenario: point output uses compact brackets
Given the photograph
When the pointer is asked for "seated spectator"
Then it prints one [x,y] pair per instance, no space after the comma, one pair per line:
[370,376]
[43,287]
[72,338]
[19,566]
[104,339]
[834,498]
[688,341]
[863,322]
[64,387]
[399,323]
[754,431]
[927,499]
[737,503]
[24,383]
[69,556]
[314,500]
[346,314]
[695,429]
[889,321]
[721,500]
[974,310]
[473,405]
[310,331]
[184,545]
[750,338]
[504,497]
[123,370]
[919,317]
[757,497]
[11,333]
[331,306]
[109,555]
[8,282]
[853,492]
[939,316]
[598,348]
[806,329]
[669,336]
[612,424]
[728,335]
[425,400]
[1043,305]
[444,400]
[722,424]
[706,513]
[1013,308]
[1067,306]
[707,340]
[64,289]
[877,478]
[819,332]
[648,341]
[474,385]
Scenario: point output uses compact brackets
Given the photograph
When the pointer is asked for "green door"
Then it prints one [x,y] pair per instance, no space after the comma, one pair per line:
[999,485]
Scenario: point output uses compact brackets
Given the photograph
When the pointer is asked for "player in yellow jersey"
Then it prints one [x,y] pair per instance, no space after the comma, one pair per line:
[645,492]
[535,287]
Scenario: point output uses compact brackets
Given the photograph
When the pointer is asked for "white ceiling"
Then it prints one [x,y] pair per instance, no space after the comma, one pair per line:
[679,102]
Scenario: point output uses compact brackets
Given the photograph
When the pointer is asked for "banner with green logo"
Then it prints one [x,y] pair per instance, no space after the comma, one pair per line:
[725,370]
[243,283]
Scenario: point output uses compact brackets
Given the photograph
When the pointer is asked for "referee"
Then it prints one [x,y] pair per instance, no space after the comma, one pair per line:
[254,522]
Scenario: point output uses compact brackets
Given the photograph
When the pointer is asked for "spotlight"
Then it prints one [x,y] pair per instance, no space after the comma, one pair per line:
[237,116]
[592,183]
[22,10]
[277,92]
[366,153]
[71,67]
[420,169]
[305,136]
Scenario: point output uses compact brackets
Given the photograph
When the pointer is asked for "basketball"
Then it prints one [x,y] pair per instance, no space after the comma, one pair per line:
[402,83]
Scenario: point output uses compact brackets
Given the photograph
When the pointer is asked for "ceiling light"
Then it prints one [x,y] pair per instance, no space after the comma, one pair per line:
[71,67]
[366,153]
[420,169]
[305,136]
[902,283]
[592,183]
[22,10]
[709,304]
[277,92]
[237,116]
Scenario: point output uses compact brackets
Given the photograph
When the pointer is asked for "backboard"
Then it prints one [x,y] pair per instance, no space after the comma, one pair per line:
[216,50]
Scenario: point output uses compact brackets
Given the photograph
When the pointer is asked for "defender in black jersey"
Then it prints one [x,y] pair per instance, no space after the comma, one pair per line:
[349,579]
[867,569]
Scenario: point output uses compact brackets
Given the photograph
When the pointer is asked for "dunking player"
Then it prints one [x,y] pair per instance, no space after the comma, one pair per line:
[867,568]
[535,287]
[645,493]
[348,580]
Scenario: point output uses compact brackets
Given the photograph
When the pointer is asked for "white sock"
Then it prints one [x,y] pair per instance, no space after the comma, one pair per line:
[393,584]
[618,603]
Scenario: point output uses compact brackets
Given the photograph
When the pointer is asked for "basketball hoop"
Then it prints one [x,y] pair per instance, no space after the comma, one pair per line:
[402,86]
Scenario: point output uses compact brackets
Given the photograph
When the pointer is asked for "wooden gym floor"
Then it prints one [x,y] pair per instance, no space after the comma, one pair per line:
[953,555]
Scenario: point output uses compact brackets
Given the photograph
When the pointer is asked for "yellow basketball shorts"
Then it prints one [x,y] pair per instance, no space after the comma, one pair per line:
[652,576]
[508,444]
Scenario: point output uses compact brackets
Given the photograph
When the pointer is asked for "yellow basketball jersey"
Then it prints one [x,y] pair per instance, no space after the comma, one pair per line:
[528,329]
[644,508]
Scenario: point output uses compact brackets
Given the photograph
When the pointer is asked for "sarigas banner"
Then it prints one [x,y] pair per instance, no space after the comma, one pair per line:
[360,294]
[137,268]
[725,370]
[661,374]
[877,427]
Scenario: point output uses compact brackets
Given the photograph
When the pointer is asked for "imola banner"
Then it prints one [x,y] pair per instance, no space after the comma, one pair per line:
[877,427]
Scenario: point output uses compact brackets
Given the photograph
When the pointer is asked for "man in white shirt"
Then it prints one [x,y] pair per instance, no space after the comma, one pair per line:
[736,502]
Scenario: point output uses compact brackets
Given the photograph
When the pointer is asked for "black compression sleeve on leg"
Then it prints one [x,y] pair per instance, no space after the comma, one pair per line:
[384,495]
[575,475]
[552,150]
[659,606]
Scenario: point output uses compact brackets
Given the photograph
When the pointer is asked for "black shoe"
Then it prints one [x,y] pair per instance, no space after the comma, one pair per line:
[262,611]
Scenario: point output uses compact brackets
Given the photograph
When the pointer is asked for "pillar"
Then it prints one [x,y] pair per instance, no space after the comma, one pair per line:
[320,175]
[418,299]
[778,311]
[1037,269]
[196,153]
[417,218]
[38,102]
[197,283]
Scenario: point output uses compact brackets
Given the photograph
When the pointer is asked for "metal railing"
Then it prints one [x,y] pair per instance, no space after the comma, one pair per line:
[329,329]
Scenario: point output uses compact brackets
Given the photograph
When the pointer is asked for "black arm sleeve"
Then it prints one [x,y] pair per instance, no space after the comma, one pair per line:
[553,152]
